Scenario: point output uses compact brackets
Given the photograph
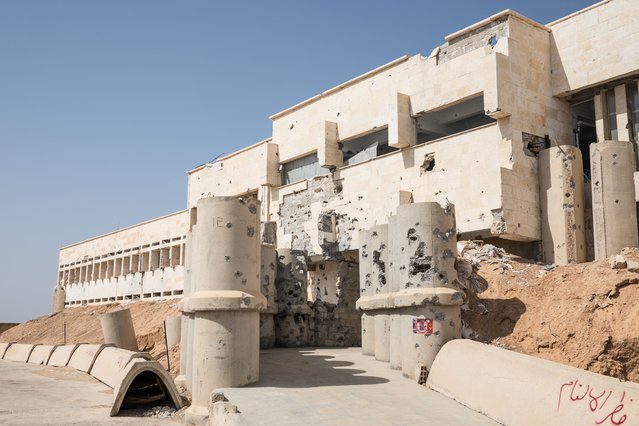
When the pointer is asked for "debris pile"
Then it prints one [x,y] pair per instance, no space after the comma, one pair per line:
[583,315]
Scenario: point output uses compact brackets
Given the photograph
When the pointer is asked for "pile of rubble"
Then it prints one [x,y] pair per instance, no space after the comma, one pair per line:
[583,315]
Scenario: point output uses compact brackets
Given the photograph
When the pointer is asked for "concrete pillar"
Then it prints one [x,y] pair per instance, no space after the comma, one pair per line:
[225,298]
[366,291]
[117,328]
[561,194]
[268,269]
[183,380]
[173,329]
[614,208]
[423,248]
[401,125]
[395,317]
[291,283]
[59,297]
[621,106]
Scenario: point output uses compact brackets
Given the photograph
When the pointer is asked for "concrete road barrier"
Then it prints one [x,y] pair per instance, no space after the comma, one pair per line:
[520,390]
[3,348]
[18,352]
[40,354]
[84,356]
[150,373]
[110,363]
[61,355]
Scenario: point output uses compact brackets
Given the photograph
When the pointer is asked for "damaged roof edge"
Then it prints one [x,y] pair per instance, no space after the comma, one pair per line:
[233,154]
[340,87]
[484,22]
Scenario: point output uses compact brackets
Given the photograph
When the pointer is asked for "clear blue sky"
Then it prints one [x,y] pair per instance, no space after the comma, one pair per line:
[104,105]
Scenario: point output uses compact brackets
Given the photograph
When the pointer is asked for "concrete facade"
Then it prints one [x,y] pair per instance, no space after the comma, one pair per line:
[472,125]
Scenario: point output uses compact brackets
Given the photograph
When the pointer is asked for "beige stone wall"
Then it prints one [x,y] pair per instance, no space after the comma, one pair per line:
[594,46]
[239,173]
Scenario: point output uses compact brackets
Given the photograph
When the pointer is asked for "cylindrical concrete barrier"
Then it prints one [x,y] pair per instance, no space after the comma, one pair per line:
[561,195]
[173,327]
[614,208]
[268,270]
[395,317]
[59,298]
[186,332]
[117,328]
[366,291]
[521,390]
[379,252]
[291,283]
[226,298]
[423,250]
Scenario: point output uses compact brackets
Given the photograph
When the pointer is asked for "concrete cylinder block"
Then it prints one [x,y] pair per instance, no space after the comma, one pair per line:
[59,297]
[183,380]
[382,336]
[423,247]
[424,330]
[117,328]
[173,328]
[561,195]
[225,298]
[395,340]
[268,270]
[291,283]
[614,208]
[368,334]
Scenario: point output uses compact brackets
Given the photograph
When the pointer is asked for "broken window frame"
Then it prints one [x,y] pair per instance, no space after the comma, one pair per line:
[475,119]
[308,161]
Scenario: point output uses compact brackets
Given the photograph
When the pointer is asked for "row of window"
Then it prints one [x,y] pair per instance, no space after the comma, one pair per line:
[429,127]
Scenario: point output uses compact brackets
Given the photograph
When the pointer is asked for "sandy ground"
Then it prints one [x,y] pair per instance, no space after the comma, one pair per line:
[83,326]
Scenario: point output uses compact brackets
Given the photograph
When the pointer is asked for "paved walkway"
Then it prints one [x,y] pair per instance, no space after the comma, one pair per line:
[341,387]
[39,395]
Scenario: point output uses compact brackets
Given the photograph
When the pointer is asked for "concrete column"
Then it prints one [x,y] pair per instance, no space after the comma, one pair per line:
[59,297]
[621,106]
[600,116]
[183,380]
[291,283]
[117,328]
[268,269]
[328,153]
[561,194]
[226,298]
[614,208]
[423,248]
[395,317]
[366,291]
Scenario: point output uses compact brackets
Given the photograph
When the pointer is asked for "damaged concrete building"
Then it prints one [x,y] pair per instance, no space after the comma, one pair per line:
[529,130]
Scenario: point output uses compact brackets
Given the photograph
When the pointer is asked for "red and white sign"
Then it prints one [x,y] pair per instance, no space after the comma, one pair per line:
[423,326]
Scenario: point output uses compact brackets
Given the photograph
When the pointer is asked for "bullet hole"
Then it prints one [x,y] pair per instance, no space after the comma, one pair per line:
[492,41]
[567,194]
[252,209]
[250,231]
[412,234]
[616,201]
[229,225]
[238,274]
[244,281]
[227,258]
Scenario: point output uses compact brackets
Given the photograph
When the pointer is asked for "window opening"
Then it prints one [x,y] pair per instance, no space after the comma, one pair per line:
[454,119]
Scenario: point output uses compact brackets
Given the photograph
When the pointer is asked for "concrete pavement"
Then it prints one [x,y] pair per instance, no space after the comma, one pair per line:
[340,386]
[40,395]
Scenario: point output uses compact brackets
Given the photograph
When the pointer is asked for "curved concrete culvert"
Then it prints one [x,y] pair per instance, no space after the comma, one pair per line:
[3,349]
[41,354]
[19,352]
[110,363]
[61,355]
[141,383]
[520,390]
[84,356]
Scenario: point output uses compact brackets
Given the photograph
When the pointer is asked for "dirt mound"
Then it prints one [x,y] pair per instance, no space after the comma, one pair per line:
[584,315]
[83,326]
